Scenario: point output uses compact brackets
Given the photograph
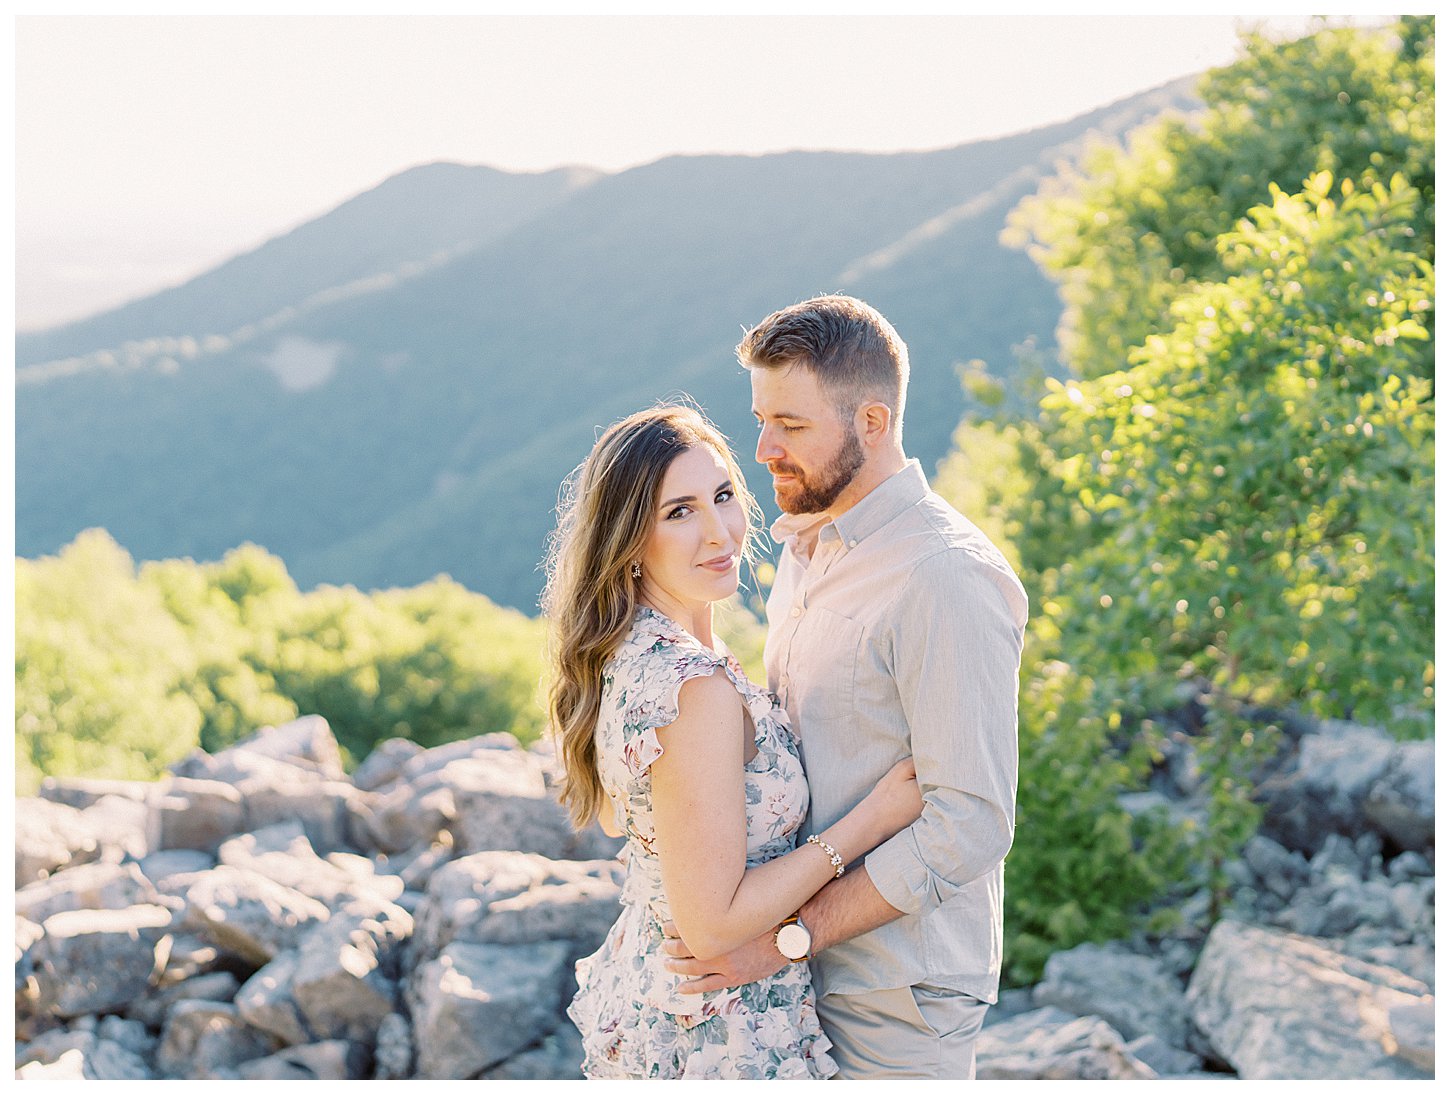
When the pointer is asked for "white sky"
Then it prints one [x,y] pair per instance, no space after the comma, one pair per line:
[150,148]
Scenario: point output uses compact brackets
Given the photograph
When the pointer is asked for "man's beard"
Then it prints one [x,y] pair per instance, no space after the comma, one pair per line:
[815,494]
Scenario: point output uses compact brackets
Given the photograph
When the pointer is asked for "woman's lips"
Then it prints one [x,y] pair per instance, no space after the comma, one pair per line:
[722,564]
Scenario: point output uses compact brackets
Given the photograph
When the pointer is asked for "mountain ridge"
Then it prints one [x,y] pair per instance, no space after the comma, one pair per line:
[374,436]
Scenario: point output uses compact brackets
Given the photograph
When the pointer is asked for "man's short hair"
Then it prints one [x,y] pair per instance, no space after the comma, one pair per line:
[848,345]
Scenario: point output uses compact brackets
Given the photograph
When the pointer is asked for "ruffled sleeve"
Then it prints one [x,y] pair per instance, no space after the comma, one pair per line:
[657,701]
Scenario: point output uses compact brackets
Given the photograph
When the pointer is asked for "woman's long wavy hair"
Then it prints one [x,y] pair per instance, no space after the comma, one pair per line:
[606,512]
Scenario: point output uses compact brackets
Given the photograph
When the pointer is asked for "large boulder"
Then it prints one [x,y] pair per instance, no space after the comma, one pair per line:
[305,745]
[1050,1044]
[249,915]
[515,897]
[333,1060]
[91,961]
[199,814]
[345,982]
[265,1001]
[384,765]
[326,809]
[50,836]
[80,793]
[1281,1006]
[1133,992]
[1401,803]
[478,1004]
[91,886]
[283,853]
[93,1056]
[218,986]
[1325,786]
[204,1040]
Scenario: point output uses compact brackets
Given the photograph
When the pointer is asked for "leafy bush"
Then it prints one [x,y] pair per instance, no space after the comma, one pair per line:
[120,673]
[1236,494]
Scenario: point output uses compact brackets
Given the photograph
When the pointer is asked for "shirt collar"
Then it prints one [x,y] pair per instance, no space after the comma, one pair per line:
[888,500]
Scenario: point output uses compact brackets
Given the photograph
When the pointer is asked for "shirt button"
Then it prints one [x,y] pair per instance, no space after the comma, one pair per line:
[851,544]
[795,611]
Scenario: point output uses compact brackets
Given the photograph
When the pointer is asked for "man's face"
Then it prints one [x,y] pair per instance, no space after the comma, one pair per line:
[812,455]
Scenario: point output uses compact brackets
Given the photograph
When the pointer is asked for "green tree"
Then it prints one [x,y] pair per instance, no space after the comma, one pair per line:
[1234,495]
[99,663]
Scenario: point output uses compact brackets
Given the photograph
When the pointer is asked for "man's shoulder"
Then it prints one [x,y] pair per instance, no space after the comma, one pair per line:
[956,554]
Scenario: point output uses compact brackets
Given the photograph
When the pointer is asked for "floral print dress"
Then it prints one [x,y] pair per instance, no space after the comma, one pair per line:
[635,1025]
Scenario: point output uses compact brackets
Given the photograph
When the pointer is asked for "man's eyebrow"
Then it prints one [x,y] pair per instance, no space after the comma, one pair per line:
[792,415]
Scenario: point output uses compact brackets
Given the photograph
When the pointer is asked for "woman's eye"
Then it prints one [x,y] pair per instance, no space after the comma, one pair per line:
[677,512]
[725,495]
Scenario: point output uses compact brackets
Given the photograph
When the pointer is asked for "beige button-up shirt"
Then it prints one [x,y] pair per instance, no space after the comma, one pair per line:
[901,634]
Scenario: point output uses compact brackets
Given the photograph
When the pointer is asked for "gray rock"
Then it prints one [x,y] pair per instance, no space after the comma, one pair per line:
[159,866]
[1279,1006]
[331,1060]
[515,897]
[1401,803]
[402,818]
[503,803]
[1410,865]
[1326,788]
[324,808]
[384,765]
[1133,992]
[151,1008]
[1050,1044]
[1164,1059]
[1010,1003]
[431,761]
[203,1040]
[345,980]
[128,1034]
[1276,868]
[417,865]
[99,1058]
[334,1060]
[50,836]
[560,1056]
[127,829]
[306,746]
[393,1055]
[199,814]
[283,853]
[265,1000]
[90,886]
[80,793]
[1412,1031]
[188,956]
[71,1066]
[478,1004]
[97,960]
[249,915]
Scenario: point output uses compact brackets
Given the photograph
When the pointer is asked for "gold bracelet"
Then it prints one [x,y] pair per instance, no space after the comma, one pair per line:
[823,846]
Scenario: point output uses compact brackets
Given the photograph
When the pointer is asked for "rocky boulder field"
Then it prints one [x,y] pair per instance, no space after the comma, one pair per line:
[258,914]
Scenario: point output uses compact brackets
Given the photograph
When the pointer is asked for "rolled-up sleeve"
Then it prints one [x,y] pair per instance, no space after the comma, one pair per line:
[955,649]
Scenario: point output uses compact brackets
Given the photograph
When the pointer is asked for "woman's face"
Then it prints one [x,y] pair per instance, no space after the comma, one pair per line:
[692,555]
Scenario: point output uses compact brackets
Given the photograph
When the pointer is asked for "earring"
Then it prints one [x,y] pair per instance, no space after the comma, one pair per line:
[634,570]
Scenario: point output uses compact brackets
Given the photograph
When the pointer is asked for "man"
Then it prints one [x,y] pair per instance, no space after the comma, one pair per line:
[895,630]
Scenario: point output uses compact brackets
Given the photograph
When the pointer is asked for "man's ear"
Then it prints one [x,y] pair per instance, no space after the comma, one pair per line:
[874,420]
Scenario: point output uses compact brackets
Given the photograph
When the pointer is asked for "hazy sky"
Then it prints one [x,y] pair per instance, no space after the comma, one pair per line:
[150,148]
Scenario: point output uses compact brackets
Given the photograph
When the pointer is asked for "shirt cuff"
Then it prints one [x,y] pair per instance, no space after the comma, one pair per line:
[896,870]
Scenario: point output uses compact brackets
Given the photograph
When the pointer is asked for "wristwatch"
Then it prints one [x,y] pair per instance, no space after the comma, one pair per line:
[793,939]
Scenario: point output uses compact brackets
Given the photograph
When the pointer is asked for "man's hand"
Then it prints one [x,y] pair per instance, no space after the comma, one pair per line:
[749,962]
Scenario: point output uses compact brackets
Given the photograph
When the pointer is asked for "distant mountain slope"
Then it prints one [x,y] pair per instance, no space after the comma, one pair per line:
[422,424]
[423,215]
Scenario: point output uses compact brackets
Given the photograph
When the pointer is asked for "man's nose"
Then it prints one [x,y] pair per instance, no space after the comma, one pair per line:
[767,448]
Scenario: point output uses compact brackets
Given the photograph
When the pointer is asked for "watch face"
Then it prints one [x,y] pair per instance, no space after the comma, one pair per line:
[793,941]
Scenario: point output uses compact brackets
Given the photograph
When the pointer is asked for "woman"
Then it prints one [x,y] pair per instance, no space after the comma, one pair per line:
[665,741]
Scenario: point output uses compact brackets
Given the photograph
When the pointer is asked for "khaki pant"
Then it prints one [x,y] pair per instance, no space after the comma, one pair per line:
[916,1033]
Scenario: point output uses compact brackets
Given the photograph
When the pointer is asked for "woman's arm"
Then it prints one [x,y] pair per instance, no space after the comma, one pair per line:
[698,800]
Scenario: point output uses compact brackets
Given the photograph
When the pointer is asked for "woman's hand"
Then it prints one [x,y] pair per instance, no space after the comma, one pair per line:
[895,801]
